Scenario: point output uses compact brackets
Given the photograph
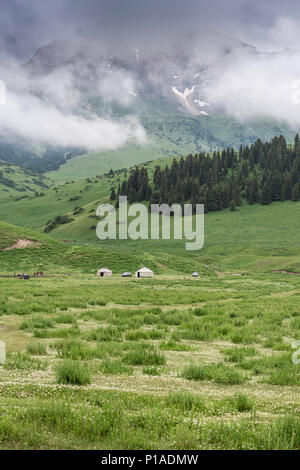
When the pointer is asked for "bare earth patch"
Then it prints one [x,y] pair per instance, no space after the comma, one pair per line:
[219,273]
[10,333]
[22,243]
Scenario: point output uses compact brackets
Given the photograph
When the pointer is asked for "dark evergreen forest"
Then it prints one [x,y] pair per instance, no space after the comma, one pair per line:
[260,173]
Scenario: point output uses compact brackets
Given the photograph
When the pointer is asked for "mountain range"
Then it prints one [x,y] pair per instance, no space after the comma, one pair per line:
[167,87]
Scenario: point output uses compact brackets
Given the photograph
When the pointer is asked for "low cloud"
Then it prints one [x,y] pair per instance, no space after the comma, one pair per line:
[50,110]
[72,106]
[260,85]
[117,86]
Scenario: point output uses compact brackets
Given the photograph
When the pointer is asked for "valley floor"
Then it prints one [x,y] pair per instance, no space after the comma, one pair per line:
[169,362]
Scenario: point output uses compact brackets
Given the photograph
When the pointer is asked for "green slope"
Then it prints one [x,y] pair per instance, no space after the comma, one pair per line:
[255,238]
[34,212]
[9,234]
[171,136]
[54,257]
[16,181]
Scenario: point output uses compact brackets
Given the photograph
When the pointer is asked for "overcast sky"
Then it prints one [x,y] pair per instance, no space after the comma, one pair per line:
[26,25]
[250,86]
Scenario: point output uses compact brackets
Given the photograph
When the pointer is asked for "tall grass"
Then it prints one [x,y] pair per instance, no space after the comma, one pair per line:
[36,349]
[276,370]
[186,401]
[23,361]
[140,356]
[73,373]
[243,403]
[112,367]
[75,350]
[237,354]
[219,373]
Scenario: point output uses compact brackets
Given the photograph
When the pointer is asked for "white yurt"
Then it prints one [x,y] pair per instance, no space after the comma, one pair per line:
[144,272]
[104,272]
[195,274]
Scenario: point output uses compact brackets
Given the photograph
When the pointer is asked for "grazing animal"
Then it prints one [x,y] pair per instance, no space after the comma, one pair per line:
[39,274]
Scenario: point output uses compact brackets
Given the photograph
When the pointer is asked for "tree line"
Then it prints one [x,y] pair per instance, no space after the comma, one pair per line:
[260,173]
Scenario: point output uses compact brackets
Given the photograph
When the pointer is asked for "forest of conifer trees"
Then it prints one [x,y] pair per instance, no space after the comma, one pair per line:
[260,173]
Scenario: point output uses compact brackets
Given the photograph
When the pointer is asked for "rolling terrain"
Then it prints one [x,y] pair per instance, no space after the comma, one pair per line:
[173,136]
[253,237]
[152,101]
[16,181]
[168,89]
[169,362]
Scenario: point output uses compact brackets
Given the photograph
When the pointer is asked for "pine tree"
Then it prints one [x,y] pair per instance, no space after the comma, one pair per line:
[232,207]
[250,193]
[266,194]
[236,195]
[286,191]
[295,192]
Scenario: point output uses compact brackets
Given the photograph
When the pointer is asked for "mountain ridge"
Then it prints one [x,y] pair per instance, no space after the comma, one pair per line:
[164,86]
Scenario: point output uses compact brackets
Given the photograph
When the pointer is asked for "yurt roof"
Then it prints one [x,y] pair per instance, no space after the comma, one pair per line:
[144,270]
[104,270]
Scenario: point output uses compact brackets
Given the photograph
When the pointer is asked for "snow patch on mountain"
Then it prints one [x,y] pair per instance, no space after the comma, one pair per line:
[202,104]
[184,97]
[187,99]
[187,92]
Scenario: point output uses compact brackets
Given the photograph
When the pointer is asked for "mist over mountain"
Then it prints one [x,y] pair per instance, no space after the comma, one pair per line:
[135,73]
[94,86]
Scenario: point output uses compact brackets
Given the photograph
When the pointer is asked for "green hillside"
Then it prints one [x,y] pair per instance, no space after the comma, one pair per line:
[170,362]
[253,238]
[171,136]
[33,211]
[250,238]
[16,181]
[52,256]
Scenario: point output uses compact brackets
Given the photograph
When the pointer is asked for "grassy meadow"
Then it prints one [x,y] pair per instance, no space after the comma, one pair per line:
[170,362]
[165,363]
